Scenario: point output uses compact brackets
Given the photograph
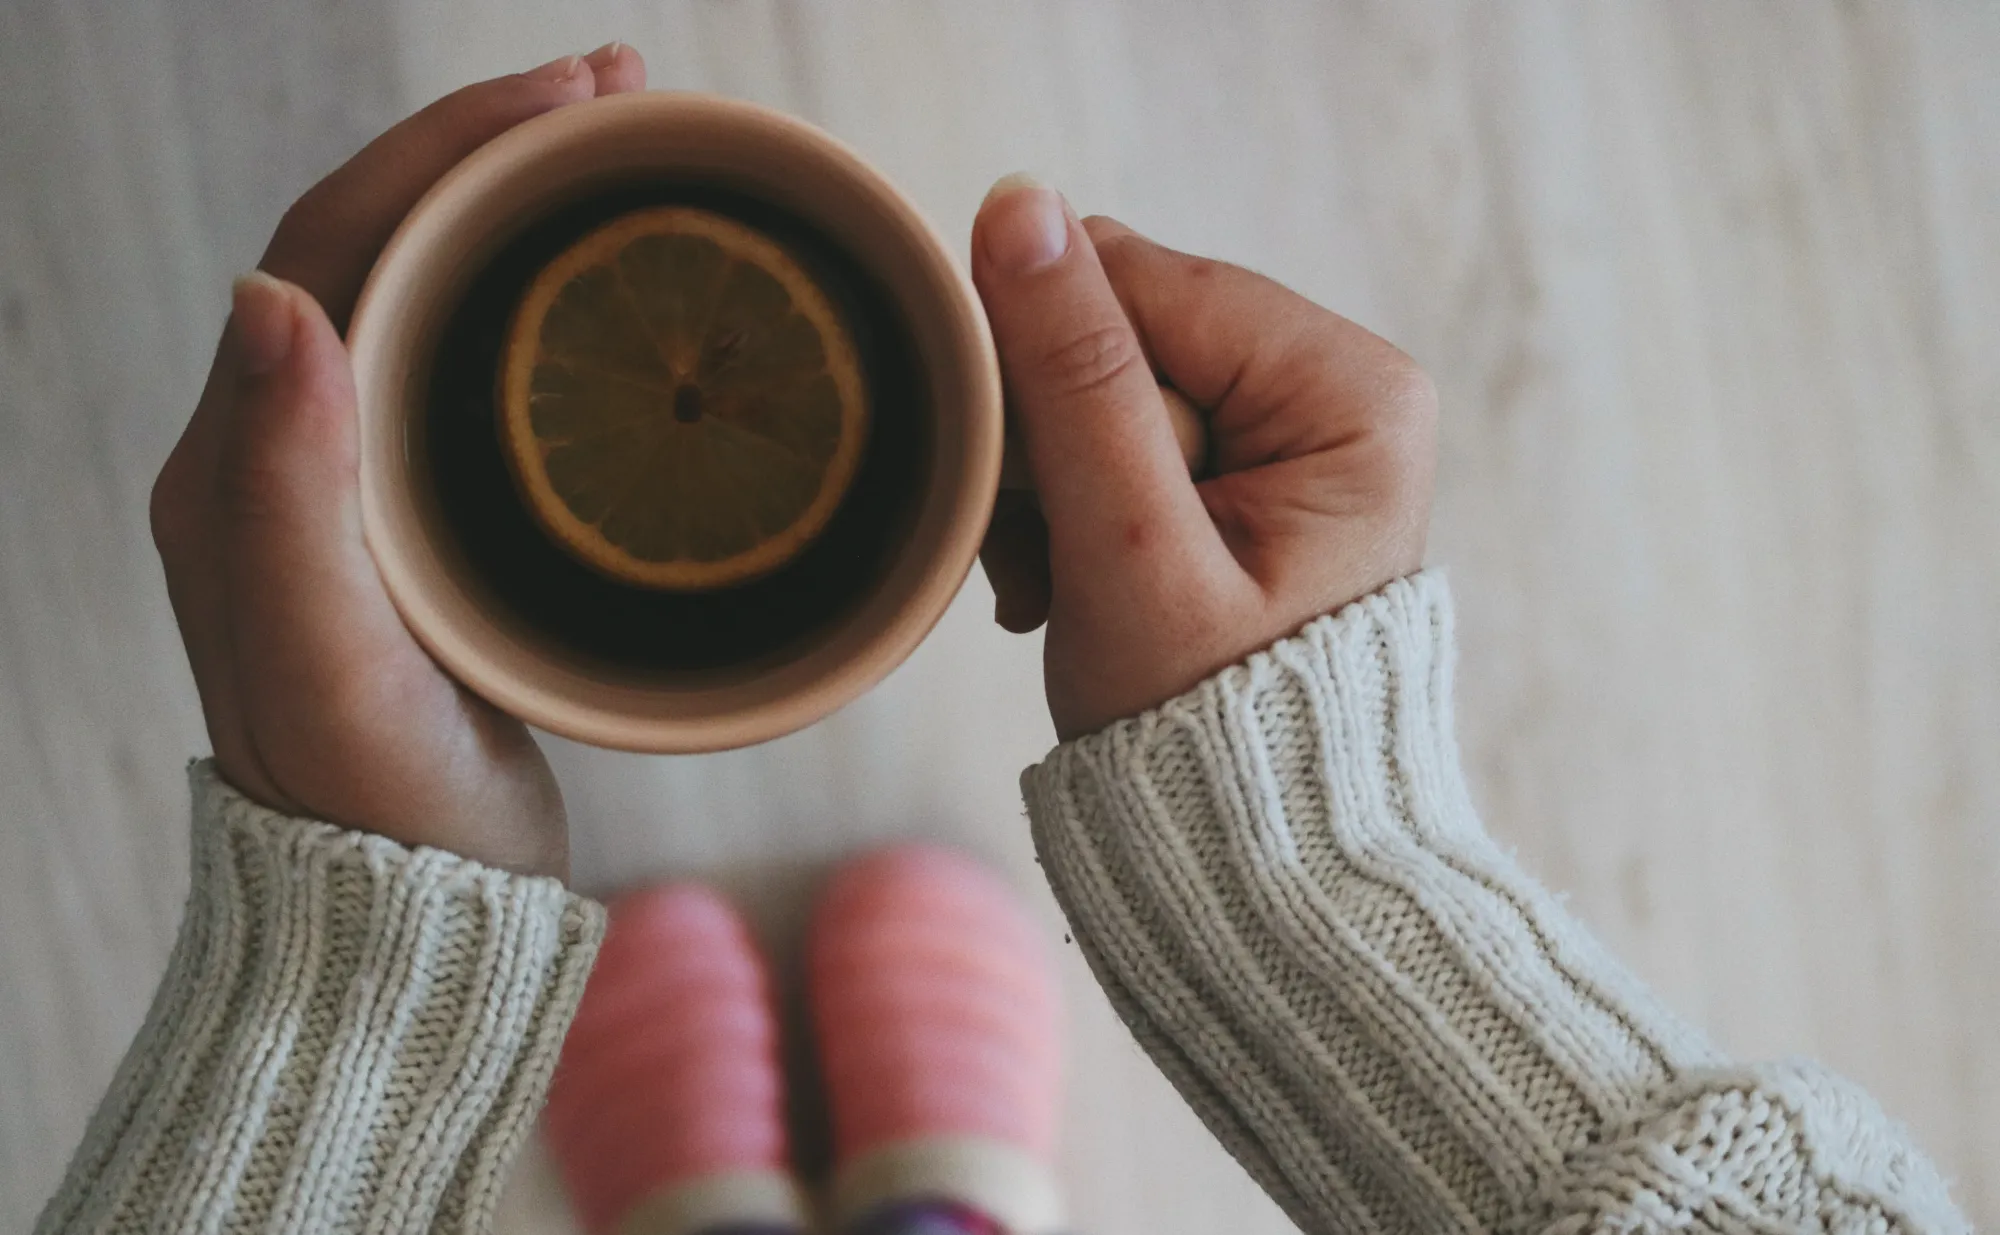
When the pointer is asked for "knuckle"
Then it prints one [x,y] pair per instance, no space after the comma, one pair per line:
[1413,395]
[1092,361]
[1382,424]
[299,241]
[501,102]
[484,106]
[485,109]
[303,217]
[1411,391]
[329,208]
[1404,439]
[169,512]
[254,489]
[1400,399]
[1110,237]
[1129,261]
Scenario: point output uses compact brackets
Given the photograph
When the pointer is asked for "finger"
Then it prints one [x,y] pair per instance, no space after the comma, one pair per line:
[309,619]
[618,69]
[1112,482]
[328,240]
[1280,376]
[184,527]
[1016,558]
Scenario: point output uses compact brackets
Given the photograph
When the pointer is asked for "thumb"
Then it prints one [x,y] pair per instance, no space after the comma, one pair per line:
[308,614]
[1111,477]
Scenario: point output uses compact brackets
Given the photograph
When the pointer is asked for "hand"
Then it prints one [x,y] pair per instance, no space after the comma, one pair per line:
[317,699]
[1321,450]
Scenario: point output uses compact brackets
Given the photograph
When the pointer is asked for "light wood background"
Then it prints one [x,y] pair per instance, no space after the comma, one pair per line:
[1712,291]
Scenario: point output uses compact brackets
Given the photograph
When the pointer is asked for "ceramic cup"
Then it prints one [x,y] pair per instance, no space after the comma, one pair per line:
[567,156]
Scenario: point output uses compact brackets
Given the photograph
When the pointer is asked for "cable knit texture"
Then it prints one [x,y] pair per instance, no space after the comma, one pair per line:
[351,1036]
[1280,880]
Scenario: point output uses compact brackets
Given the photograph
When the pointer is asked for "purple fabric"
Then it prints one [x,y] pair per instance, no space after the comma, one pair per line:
[902,1218]
[926,1218]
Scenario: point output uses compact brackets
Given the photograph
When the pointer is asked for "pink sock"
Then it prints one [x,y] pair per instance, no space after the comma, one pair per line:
[669,1093]
[937,1019]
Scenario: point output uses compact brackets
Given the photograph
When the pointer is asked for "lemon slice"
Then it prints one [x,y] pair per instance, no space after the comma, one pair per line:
[680,403]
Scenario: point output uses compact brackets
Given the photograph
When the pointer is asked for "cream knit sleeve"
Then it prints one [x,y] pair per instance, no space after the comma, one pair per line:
[351,1036]
[1281,882]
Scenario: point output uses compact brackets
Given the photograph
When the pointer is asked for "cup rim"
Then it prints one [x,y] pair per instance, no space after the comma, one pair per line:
[476,651]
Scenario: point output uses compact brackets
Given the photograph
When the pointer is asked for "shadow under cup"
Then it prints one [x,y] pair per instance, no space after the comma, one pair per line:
[547,639]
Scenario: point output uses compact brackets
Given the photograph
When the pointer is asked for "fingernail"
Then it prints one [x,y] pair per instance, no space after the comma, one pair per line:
[262,321]
[1026,224]
[560,69]
[1011,182]
[605,54]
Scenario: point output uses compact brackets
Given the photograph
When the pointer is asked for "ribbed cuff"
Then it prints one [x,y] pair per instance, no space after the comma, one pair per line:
[351,1036]
[1279,879]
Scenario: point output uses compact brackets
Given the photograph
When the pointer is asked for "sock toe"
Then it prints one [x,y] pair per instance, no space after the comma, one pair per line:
[670,1073]
[938,1025]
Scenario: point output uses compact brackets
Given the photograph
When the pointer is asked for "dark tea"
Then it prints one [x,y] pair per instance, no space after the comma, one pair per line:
[528,574]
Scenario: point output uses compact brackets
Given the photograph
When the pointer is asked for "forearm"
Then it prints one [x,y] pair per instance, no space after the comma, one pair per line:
[1281,881]
[351,1036]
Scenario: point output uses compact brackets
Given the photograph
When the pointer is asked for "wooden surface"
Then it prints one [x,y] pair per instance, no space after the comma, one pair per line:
[1713,295]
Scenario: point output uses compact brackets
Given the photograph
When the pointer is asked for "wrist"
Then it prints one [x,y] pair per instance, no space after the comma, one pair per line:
[508,818]
[512,821]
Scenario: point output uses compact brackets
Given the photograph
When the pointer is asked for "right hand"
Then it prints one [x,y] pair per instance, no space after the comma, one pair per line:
[318,699]
[1321,452]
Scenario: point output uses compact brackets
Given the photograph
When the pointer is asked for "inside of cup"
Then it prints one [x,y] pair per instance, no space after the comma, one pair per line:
[591,157]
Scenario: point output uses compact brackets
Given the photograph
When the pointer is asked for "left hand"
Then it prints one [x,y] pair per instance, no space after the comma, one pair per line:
[1322,441]
[318,700]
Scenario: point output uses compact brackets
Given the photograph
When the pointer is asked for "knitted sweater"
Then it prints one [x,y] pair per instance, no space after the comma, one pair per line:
[351,1036]
[1281,882]
[1277,877]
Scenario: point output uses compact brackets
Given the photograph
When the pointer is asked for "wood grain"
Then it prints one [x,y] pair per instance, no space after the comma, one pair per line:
[1711,290]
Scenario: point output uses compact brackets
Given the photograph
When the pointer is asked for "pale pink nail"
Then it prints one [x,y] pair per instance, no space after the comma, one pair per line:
[560,69]
[262,321]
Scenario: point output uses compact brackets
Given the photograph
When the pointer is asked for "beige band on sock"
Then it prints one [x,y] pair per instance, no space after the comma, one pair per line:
[739,1197]
[1012,1187]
